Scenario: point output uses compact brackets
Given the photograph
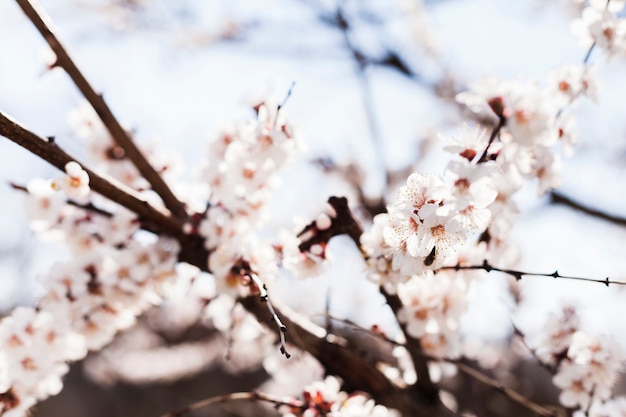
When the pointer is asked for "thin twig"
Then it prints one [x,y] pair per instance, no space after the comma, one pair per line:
[518,275]
[494,134]
[559,198]
[282,329]
[237,396]
[35,12]
[588,54]
[289,92]
[90,207]
[262,288]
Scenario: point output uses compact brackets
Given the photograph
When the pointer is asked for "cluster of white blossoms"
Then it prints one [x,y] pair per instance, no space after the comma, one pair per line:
[589,371]
[465,216]
[586,367]
[433,216]
[429,226]
[112,277]
[117,271]
[615,407]
[242,172]
[533,121]
[246,158]
[600,25]
[556,336]
[113,274]
[432,308]
[460,217]
[35,348]
[325,399]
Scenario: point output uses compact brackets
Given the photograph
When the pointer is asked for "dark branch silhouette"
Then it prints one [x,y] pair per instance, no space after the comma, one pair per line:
[518,275]
[559,198]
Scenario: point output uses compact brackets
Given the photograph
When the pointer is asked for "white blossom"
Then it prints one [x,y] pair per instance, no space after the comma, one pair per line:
[432,306]
[75,183]
[379,256]
[587,366]
[553,342]
[36,347]
[303,264]
[43,205]
[469,142]
[601,26]
[324,399]
[575,386]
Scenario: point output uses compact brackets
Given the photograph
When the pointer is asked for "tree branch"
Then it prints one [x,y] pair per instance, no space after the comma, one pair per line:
[337,358]
[558,198]
[115,191]
[471,372]
[343,223]
[43,23]
[518,275]
[494,133]
[548,367]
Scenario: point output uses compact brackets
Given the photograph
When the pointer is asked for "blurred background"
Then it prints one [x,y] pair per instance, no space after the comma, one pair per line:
[373,88]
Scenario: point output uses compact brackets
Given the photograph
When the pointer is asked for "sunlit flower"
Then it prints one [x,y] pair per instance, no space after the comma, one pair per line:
[76,183]
[602,27]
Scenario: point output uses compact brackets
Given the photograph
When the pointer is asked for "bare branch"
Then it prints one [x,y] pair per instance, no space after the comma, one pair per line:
[43,23]
[282,329]
[494,133]
[367,96]
[356,370]
[518,275]
[588,54]
[559,198]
